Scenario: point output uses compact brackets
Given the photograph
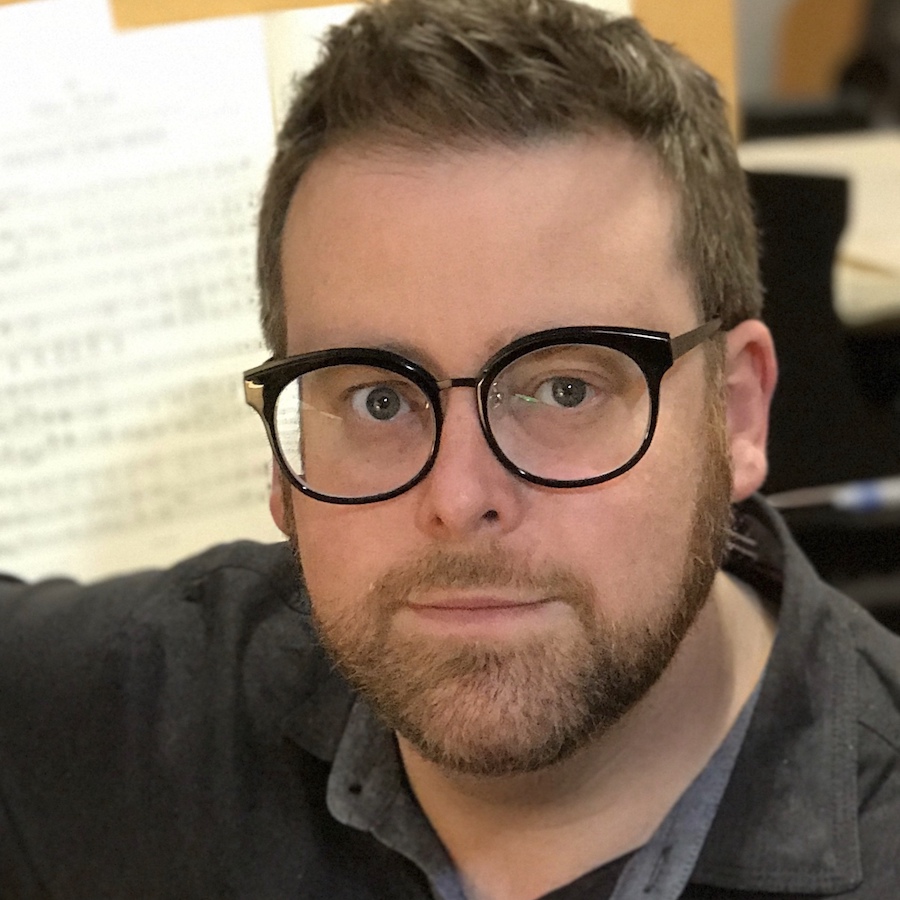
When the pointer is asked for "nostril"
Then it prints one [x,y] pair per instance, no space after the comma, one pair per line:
[492,515]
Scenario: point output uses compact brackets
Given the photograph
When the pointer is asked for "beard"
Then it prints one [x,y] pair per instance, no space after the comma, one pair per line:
[513,707]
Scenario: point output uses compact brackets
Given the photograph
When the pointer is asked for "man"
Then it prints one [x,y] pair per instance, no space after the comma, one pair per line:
[518,407]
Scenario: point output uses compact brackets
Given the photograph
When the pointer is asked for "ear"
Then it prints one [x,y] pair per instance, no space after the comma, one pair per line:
[279,497]
[751,372]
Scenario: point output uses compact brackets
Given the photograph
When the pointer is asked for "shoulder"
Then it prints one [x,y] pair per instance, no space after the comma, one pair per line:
[878,670]
[816,790]
[47,619]
[228,569]
[836,628]
[877,653]
[877,658]
[876,667]
[103,650]
[870,686]
[147,721]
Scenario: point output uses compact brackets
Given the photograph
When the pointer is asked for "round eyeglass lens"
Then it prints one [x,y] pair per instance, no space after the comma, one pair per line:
[354,431]
[570,412]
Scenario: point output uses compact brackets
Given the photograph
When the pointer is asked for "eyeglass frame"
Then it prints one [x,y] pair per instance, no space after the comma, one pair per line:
[654,352]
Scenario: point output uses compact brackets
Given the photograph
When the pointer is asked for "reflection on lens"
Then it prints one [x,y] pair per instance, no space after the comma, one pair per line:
[354,431]
[570,412]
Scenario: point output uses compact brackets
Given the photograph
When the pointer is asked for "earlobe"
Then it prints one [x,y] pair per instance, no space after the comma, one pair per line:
[278,500]
[751,371]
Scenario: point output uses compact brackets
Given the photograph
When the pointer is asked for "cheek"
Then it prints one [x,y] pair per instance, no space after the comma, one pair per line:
[632,536]
[632,550]
[342,549]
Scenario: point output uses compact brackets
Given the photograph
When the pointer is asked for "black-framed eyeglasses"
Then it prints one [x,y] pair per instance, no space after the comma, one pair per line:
[563,408]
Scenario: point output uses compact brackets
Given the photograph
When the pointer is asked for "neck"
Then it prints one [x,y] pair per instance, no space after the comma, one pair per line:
[517,837]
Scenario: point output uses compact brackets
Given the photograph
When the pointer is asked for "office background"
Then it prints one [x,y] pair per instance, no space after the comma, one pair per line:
[130,166]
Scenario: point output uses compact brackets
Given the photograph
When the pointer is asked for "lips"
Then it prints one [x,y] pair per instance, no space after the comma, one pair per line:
[479,615]
[475,602]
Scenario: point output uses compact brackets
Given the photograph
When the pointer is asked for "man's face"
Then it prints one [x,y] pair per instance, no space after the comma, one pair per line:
[499,625]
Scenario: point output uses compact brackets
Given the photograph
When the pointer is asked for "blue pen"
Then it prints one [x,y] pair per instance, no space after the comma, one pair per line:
[854,496]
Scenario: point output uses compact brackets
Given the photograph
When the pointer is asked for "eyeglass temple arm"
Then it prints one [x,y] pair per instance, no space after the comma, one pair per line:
[690,339]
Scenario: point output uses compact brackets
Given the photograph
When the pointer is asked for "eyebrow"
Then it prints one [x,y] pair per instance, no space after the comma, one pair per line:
[419,356]
[410,352]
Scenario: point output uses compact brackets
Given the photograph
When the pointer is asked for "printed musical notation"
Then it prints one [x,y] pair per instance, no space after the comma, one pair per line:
[130,166]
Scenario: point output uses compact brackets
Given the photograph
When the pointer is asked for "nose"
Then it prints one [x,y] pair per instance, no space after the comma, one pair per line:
[468,491]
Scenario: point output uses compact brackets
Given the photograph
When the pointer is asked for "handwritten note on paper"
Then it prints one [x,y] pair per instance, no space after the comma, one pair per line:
[130,166]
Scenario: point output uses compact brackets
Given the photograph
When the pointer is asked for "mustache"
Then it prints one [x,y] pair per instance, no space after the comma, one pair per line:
[443,569]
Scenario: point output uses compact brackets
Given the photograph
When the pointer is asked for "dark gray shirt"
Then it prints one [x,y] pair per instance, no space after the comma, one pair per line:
[173,734]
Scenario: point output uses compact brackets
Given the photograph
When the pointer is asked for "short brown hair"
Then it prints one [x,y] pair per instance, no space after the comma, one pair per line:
[459,73]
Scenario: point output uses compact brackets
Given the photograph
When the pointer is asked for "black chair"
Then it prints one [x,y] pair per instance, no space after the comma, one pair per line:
[835,416]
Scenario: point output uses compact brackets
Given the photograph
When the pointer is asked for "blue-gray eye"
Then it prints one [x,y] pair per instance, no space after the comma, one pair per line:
[382,403]
[565,392]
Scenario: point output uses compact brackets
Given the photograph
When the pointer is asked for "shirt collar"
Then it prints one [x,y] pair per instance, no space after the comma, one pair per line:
[368,790]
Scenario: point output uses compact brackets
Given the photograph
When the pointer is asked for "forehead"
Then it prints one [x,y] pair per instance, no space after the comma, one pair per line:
[463,250]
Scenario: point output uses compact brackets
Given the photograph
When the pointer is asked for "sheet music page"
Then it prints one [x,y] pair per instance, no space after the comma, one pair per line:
[130,168]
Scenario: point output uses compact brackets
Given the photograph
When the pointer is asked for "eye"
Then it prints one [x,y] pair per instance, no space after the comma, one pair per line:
[563,391]
[381,402]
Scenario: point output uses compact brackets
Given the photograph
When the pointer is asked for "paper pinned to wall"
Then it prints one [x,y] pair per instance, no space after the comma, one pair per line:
[130,166]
